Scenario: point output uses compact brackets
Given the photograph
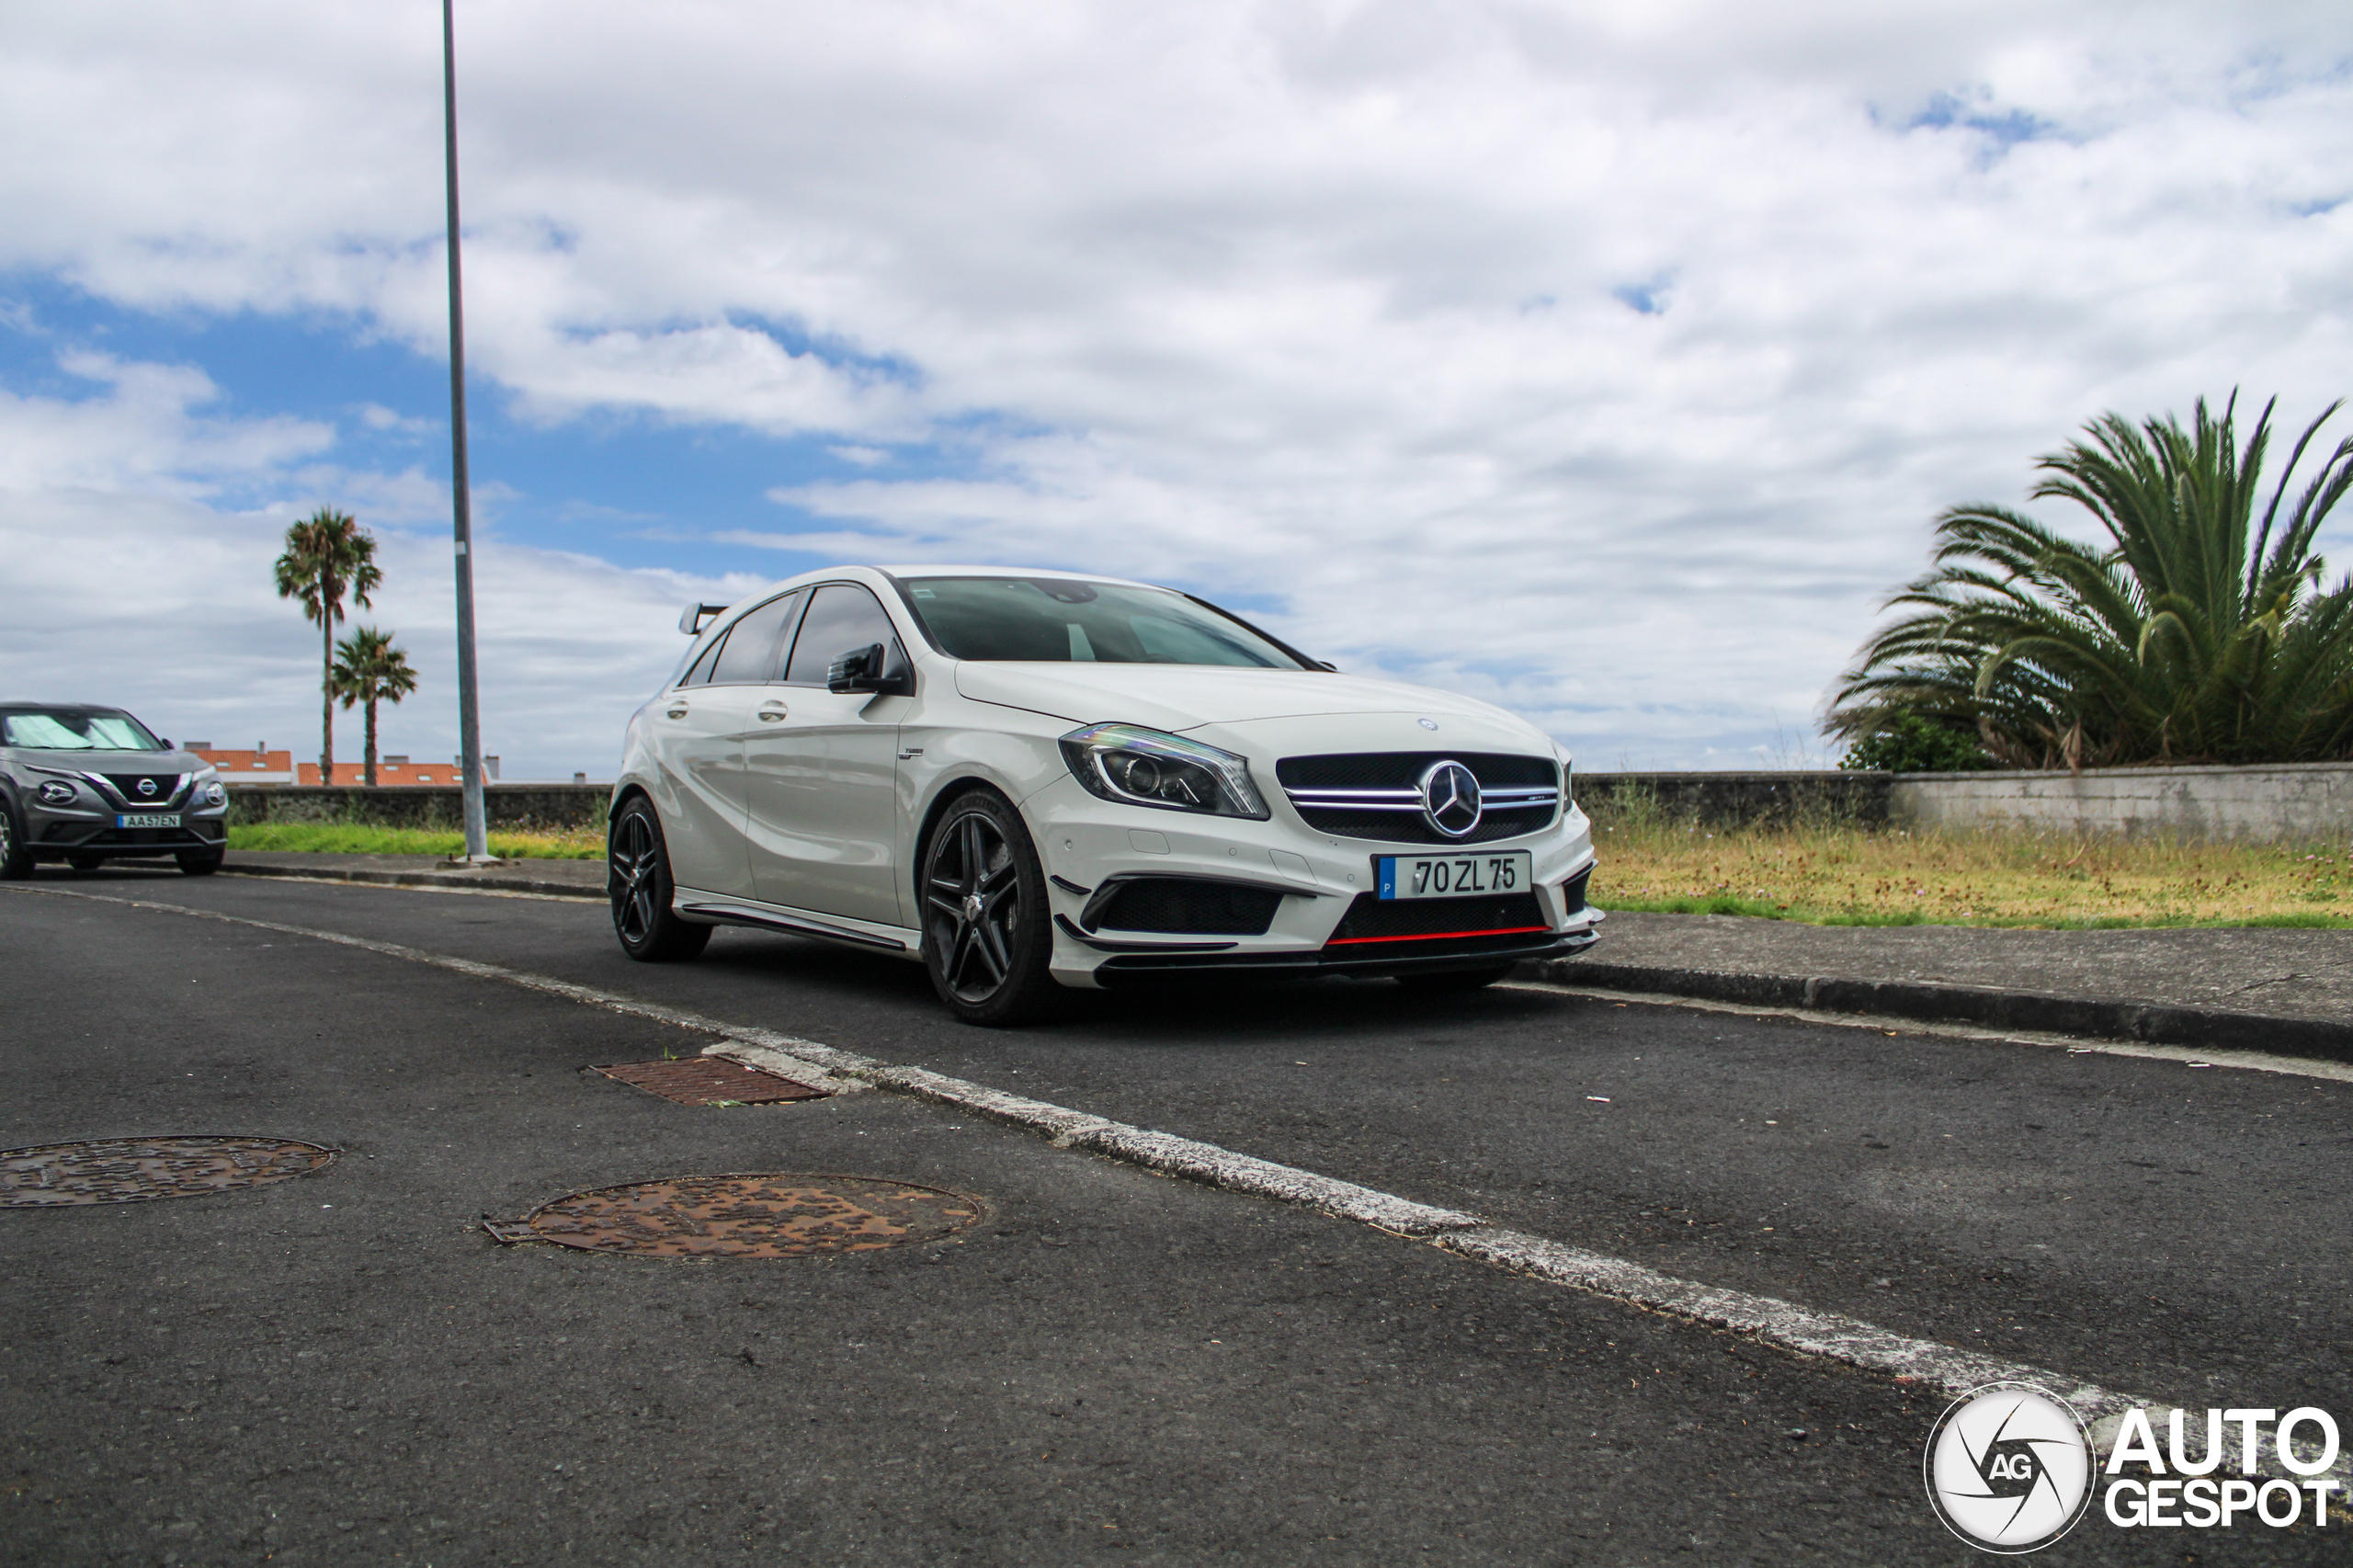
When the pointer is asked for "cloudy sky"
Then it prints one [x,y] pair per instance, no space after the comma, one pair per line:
[1608,361]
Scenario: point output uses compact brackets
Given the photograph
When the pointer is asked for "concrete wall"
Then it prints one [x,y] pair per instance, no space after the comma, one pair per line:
[1733,800]
[420,805]
[2294,800]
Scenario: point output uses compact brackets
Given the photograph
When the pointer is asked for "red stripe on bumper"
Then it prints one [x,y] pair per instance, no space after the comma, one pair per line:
[1437,935]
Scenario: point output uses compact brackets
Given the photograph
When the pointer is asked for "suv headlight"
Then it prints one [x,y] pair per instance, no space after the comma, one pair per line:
[207,787]
[56,792]
[1137,766]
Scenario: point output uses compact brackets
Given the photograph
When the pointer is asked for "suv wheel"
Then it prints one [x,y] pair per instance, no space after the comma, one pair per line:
[16,860]
[985,939]
[639,882]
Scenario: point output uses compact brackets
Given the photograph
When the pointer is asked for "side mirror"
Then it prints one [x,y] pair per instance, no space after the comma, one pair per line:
[164,742]
[861,669]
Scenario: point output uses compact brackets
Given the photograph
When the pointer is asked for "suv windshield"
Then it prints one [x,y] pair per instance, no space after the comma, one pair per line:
[1059,620]
[69,729]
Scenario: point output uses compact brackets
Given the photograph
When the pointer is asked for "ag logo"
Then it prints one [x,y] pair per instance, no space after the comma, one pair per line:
[2010,1467]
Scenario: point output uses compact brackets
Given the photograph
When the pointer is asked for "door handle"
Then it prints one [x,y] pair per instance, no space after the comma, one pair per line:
[679,711]
[772,712]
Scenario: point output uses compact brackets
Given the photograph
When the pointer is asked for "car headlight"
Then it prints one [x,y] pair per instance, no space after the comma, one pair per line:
[206,786]
[56,792]
[1137,766]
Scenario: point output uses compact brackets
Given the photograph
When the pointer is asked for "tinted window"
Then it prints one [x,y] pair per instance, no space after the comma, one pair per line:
[1062,620]
[843,619]
[700,674]
[753,643]
[67,730]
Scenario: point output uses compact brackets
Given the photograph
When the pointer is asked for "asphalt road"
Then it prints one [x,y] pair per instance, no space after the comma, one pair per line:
[1115,1365]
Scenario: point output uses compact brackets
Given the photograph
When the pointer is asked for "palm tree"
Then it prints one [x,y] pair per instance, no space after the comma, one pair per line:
[2196,633]
[327,554]
[369,669]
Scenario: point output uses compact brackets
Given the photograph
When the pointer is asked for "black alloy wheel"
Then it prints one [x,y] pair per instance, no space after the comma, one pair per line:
[200,862]
[1455,979]
[638,877]
[985,939]
[16,860]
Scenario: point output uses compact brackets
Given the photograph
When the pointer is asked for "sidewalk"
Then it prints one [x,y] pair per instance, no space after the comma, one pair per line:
[580,879]
[2279,991]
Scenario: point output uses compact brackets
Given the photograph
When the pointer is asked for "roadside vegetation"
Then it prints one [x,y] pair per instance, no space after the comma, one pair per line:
[1828,871]
[351,838]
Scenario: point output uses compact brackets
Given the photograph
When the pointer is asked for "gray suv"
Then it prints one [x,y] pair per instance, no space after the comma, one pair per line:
[85,785]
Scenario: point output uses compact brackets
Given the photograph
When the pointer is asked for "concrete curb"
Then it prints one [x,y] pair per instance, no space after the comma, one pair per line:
[2148,1023]
[491,880]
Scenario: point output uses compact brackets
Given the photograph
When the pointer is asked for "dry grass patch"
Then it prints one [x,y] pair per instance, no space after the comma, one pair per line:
[1838,873]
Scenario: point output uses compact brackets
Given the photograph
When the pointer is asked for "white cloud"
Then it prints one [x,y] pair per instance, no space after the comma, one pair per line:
[1608,358]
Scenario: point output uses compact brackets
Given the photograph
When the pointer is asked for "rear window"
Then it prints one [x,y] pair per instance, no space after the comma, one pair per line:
[69,730]
[1061,620]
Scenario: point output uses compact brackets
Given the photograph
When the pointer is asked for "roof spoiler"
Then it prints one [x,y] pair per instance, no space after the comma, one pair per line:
[692,618]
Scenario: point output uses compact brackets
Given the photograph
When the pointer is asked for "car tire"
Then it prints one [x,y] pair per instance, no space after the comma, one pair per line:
[1455,979]
[985,937]
[639,882]
[86,862]
[200,862]
[16,860]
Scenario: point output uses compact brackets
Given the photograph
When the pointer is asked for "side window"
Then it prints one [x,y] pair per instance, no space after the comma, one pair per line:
[700,674]
[752,644]
[842,618]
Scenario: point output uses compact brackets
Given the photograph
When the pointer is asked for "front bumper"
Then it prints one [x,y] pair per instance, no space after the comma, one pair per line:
[1087,843]
[87,828]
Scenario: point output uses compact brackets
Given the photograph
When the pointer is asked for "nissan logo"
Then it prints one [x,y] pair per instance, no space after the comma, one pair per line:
[147,787]
[1450,798]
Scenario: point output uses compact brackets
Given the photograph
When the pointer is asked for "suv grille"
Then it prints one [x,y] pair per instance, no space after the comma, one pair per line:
[1377,794]
[1171,904]
[166,785]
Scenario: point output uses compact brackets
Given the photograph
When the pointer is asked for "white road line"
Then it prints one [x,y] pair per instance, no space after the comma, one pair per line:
[1948,1369]
[2245,1061]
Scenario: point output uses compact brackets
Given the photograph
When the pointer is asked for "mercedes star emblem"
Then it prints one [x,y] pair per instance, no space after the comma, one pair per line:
[1450,798]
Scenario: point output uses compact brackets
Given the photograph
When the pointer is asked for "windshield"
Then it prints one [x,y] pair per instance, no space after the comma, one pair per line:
[66,729]
[1060,620]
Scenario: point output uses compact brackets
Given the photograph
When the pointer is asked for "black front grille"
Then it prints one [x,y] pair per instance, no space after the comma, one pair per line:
[1403,770]
[127,786]
[1173,905]
[1417,922]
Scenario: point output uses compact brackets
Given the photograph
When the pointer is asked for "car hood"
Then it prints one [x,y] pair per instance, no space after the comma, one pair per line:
[156,762]
[1184,697]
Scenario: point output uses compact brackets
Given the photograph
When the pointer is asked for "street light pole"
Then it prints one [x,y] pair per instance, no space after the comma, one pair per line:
[469,707]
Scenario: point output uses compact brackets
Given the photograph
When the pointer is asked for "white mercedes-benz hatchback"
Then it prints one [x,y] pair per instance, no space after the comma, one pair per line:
[1031,781]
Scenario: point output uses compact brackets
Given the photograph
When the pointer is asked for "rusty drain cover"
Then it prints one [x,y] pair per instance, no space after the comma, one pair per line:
[127,1170]
[711,1080]
[745,1216]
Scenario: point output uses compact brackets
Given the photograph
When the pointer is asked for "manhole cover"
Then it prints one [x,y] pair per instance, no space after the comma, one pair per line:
[746,1216]
[125,1170]
[711,1080]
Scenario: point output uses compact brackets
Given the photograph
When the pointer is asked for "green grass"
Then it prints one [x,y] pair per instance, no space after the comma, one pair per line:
[339,839]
